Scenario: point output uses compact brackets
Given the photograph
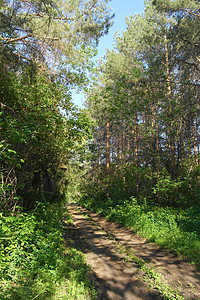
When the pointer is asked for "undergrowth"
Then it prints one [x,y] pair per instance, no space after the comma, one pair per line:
[175,229]
[34,262]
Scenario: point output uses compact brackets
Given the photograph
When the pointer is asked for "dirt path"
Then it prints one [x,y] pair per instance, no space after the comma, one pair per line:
[116,275]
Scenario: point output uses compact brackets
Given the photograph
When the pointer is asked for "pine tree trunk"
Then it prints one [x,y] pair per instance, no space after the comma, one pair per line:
[107,155]
[171,134]
[136,154]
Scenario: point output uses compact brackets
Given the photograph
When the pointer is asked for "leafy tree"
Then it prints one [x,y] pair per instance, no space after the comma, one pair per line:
[44,48]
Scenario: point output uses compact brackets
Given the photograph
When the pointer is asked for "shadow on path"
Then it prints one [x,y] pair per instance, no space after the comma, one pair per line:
[113,278]
[178,273]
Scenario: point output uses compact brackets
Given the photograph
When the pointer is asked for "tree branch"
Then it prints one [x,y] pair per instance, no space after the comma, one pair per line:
[12,40]
[56,18]
[187,41]
[189,11]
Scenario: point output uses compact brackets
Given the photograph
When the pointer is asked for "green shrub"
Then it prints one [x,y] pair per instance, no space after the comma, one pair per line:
[34,261]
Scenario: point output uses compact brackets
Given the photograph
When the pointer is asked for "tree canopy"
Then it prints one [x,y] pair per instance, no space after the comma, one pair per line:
[45,47]
[146,106]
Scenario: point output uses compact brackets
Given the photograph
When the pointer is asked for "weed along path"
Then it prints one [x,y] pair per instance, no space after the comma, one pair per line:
[126,267]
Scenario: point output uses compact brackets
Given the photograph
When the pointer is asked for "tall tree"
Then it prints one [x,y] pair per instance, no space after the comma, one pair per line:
[148,90]
[47,30]
[43,47]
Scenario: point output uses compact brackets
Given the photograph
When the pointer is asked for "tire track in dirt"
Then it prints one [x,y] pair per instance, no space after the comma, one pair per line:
[116,279]
[178,273]
[113,278]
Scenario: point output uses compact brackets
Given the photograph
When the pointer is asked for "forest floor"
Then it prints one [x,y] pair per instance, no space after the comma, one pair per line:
[127,267]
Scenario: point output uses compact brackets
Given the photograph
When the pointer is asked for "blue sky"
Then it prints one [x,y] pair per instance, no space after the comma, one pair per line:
[122,9]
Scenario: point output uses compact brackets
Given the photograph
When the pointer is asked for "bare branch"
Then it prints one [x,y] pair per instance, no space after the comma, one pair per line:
[187,41]
[189,63]
[191,12]
[12,40]
[56,18]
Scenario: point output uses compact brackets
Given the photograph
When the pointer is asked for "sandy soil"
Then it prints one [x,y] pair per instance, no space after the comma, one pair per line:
[117,279]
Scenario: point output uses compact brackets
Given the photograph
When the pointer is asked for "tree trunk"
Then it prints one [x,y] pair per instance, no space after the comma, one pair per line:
[107,155]
[136,154]
[171,134]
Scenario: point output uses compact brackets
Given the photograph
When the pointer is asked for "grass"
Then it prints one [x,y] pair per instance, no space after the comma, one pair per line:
[174,229]
[34,261]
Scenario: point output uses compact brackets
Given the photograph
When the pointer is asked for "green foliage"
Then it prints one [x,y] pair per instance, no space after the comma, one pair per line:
[34,261]
[175,229]
[48,32]
[157,187]
[146,91]
[45,50]
[40,132]
[35,139]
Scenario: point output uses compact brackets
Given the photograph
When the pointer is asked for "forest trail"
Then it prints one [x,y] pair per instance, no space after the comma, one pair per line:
[116,272]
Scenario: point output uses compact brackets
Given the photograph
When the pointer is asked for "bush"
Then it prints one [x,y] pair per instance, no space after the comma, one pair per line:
[34,261]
